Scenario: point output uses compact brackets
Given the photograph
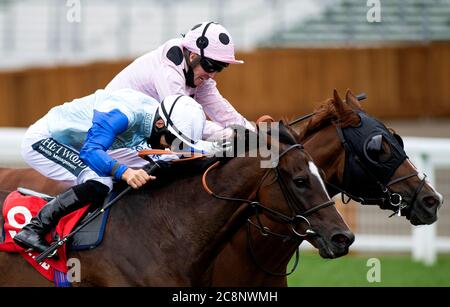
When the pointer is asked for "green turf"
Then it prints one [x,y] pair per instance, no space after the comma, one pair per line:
[351,270]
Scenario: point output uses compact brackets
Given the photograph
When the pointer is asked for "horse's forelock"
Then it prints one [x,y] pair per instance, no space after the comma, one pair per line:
[349,119]
[347,112]
[330,111]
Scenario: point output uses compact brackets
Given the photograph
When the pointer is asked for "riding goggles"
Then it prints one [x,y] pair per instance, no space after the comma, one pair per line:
[210,65]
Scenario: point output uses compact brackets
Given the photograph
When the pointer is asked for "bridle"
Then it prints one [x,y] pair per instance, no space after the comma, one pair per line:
[395,199]
[291,199]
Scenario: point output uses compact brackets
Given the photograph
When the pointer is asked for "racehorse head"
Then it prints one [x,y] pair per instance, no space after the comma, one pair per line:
[296,179]
[370,164]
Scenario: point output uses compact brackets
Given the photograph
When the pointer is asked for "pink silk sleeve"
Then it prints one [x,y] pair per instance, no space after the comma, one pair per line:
[217,107]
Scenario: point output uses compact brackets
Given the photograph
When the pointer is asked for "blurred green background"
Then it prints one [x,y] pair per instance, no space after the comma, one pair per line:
[351,271]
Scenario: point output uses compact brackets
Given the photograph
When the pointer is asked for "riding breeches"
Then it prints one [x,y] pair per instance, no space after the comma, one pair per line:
[60,162]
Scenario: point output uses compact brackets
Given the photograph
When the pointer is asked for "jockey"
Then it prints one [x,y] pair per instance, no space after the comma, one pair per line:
[80,142]
[188,66]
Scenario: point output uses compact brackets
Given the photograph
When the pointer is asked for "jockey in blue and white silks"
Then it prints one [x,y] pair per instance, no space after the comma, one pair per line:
[87,142]
[103,121]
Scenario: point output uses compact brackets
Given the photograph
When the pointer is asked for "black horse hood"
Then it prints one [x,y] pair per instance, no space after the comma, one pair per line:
[373,154]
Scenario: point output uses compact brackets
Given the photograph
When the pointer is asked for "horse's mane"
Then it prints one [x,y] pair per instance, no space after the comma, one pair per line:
[326,114]
[286,136]
[174,171]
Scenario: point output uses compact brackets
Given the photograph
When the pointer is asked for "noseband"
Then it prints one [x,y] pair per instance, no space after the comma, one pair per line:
[290,198]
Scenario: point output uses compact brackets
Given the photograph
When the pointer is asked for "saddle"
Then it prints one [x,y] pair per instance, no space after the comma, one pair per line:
[92,234]
[22,204]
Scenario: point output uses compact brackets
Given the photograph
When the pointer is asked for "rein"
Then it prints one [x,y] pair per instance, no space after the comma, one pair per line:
[190,155]
[290,199]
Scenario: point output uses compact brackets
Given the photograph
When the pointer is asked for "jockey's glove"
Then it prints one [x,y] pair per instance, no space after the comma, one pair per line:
[216,148]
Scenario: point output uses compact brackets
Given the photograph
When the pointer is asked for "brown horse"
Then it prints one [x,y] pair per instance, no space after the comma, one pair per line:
[170,236]
[248,249]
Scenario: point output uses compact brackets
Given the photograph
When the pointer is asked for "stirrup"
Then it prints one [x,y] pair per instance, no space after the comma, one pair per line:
[52,255]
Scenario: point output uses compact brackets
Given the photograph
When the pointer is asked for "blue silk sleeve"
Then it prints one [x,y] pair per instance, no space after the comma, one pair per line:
[105,128]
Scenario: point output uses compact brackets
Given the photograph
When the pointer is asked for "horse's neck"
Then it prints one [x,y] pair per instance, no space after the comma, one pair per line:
[183,220]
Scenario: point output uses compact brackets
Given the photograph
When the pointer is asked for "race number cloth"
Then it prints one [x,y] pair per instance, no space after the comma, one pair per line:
[18,210]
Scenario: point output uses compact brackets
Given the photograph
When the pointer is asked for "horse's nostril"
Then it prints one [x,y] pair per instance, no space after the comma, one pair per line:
[343,238]
[431,201]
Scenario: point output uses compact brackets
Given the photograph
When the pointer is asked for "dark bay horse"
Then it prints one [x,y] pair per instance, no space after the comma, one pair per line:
[248,249]
[170,235]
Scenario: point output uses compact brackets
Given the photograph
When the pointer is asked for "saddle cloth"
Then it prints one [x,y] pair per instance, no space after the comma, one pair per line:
[18,209]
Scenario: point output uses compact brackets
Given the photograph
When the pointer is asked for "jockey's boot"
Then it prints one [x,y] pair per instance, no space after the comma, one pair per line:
[32,235]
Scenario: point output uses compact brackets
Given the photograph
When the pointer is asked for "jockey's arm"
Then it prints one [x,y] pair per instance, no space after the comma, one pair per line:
[218,108]
[105,127]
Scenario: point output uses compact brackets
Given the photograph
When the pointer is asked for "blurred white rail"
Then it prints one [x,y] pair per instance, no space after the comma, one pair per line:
[10,149]
[428,154]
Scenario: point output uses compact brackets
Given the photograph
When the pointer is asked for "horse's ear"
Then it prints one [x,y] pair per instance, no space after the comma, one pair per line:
[285,123]
[282,124]
[345,113]
[349,95]
[286,135]
[339,105]
[336,96]
[351,100]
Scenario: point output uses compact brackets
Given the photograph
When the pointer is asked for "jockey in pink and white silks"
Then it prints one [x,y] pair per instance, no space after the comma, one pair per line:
[188,66]
[80,142]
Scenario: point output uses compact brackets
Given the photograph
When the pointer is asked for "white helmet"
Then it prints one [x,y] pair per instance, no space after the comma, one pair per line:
[185,119]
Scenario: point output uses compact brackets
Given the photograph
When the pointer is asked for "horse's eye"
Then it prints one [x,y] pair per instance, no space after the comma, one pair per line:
[377,149]
[300,181]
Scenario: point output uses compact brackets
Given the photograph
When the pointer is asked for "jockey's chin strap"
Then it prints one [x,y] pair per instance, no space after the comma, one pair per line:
[278,216]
